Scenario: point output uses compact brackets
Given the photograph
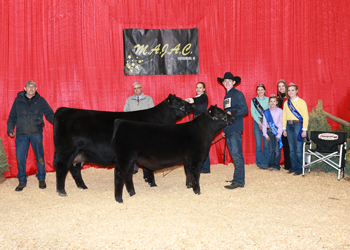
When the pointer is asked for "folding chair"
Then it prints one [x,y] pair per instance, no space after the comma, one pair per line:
[330,149]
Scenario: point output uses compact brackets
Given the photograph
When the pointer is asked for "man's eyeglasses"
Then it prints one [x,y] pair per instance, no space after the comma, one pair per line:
[138,88]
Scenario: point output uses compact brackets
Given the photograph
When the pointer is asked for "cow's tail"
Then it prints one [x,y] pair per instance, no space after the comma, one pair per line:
[115,127]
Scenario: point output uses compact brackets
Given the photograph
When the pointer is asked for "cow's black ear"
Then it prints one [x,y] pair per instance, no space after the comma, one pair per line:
[215,105]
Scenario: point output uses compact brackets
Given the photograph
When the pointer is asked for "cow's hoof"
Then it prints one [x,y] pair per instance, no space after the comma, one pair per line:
[153,185]
[132,193]
[119,200]
[83,187]
[62,193]
[197,192]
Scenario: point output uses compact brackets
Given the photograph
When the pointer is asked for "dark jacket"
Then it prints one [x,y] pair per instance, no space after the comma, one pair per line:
[281,99]
[201,103]
[28,119]
[238,109]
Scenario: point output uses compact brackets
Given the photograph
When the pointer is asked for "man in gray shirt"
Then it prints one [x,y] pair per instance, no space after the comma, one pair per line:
[138,101]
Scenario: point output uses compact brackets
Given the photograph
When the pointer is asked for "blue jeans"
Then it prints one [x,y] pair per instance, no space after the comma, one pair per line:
[234,144]
[206,165]
[275,152]
[22,146]
[261,156]
[295,147]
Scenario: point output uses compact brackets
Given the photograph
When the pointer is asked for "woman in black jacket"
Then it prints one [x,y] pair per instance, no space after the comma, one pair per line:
[201,102]
[281,98]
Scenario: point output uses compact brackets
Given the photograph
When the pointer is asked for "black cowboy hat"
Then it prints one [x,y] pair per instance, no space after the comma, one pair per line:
[228,75]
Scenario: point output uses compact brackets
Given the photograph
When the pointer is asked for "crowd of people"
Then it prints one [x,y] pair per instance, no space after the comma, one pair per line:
[279,122]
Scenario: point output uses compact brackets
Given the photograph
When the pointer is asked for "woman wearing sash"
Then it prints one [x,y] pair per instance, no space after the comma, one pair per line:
[258,105]
[272,131]
[295,122]
[201,102]
[281,98]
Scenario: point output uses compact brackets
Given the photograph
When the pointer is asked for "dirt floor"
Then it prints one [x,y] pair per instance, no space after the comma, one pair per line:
[273,211]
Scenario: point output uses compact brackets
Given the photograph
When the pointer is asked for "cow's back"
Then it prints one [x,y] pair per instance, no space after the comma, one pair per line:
[88,133]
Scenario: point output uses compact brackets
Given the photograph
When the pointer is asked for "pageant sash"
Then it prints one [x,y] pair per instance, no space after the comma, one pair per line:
[258,106]
[299,117]
[272,126]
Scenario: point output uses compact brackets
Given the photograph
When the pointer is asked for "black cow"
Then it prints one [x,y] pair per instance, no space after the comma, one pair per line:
[85,136]
[157,146]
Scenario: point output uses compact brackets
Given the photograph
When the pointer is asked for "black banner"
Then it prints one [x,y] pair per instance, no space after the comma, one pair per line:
[161,51]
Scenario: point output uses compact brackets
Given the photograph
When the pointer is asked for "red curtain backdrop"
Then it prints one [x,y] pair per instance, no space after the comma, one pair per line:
[73,50]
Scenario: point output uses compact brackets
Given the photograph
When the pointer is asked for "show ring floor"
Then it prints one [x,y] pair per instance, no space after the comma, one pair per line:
[273,211]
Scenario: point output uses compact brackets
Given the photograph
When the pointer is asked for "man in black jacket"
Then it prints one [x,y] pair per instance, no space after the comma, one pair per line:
[27,115]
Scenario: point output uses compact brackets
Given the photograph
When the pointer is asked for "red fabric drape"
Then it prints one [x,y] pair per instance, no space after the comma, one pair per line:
[73,50]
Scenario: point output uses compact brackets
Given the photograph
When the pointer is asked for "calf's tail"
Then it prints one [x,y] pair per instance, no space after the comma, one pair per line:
[115,127]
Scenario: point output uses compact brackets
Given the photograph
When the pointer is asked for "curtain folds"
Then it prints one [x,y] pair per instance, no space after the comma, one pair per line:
[73,50]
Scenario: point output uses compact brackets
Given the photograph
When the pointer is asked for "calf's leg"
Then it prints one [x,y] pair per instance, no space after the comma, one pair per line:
[196,170]
[76,173]
[189,180]
[61,173]
[118,184]
[129,185]
[148,175]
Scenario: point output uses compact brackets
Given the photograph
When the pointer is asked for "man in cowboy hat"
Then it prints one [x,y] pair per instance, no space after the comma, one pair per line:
[235,104]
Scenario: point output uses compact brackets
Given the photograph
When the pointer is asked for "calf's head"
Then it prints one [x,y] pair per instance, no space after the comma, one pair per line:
[217,114]
[182,107]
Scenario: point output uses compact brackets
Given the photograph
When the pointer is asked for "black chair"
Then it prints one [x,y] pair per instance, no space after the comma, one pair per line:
[330,149]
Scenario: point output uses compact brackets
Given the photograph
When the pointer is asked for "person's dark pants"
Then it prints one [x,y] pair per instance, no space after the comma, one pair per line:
[261,147]
[287,164]
[274,152]
[234,144]
[295,147]
[22,146]
[206,165]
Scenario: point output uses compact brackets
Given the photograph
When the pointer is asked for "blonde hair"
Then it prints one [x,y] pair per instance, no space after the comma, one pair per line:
[291,85]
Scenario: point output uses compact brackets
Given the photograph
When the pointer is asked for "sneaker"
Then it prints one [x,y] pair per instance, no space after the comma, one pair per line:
[42,184]
[273,169]
[20,186]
